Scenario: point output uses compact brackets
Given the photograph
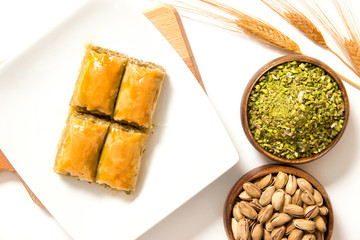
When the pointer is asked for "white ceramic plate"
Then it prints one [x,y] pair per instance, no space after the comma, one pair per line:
[189,147]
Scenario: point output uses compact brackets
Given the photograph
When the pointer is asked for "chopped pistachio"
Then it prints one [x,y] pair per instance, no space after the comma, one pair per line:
[295,110]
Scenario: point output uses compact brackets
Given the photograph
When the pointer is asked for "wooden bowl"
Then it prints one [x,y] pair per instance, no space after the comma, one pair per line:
[256,77]
[233,195]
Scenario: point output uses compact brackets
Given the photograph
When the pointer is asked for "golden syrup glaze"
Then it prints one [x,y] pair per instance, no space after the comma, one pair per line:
[81,148]
[120,159]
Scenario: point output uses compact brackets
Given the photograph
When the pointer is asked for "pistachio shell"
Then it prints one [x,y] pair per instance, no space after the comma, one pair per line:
[251,222]
[278,233]
[287,199]
[305,185]
[255,204]
[295,234]
[235,229]
[267,235]
[307,197]
[280,219]
[265,181]
[319,235]
[289,227]
[323,211]
[245,196]
[291,185]
[294,210]
[244,230]
[268,225]
[236,212]
[252,190]
[308,236]
[265,197]
[265,213]
[318,198]
[311,211]
[247,210]
[320,223]
[306,225]
[257,232]
[304,206]
[280,180]
[296,198]
[278,199]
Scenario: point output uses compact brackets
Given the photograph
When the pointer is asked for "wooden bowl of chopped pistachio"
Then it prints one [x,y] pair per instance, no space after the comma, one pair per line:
[294,109]
[276,202]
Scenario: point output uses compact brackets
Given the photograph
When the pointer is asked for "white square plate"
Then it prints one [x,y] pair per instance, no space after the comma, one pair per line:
[189,147]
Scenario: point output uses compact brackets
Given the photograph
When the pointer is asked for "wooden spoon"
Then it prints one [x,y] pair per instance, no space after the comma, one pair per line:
[5,165]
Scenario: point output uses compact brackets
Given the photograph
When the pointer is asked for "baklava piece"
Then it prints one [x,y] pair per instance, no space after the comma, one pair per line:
[80,146]
[120,158]
[138,93]
[99,80]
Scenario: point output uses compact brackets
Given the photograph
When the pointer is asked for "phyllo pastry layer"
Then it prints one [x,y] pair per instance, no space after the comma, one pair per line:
[99,80]
[139,91]
[120,158]
[80,146]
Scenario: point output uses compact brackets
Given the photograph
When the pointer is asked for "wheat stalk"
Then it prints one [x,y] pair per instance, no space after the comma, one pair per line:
[299,20]
[352,45]
[291,14]
[239,22]
[349,46]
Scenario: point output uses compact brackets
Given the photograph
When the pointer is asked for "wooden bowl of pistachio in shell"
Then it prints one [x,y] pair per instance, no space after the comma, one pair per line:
[294,109]
[275,202]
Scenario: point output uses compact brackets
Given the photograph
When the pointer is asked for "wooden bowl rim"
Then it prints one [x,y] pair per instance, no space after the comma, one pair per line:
[256,77]
[263,171]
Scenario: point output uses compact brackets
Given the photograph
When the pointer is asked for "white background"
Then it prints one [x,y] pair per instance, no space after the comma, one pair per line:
[226,62]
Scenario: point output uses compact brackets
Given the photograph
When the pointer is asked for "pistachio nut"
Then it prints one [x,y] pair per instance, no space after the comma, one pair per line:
[295,234]
[280,219]
[257,232]
[320,223]
[289,227]
[287,199]
[244,230]
[265,197]
[236,212]
[267,235]
[251,222]
[323,211]
[291,185]
[309,236]
[294,210]
[265,213]
[280,180]
[265,181]
[296,198]
[245,196]
[247,210]
[235,229]
[303,224]
[305,185]
[311,211]
[255,204]
[318,198]
[252,190]
[268,225]
[319,235]
[278,233]
[307,197]
[278,199]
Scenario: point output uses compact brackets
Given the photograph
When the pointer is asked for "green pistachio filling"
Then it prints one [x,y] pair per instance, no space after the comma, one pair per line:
[295,110]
